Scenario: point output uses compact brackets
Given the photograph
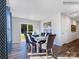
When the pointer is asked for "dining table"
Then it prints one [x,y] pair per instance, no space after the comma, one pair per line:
[38,39]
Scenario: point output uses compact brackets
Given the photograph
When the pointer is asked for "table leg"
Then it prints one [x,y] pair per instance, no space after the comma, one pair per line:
[37,47]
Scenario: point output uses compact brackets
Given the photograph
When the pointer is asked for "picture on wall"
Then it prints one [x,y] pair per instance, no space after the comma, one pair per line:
[73,28]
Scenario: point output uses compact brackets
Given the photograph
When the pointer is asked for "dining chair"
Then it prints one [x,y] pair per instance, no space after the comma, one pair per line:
[42,34]
[49,45]
[31,43]
[42,42]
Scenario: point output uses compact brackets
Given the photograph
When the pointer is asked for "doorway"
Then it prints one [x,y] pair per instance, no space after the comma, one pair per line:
[26,28]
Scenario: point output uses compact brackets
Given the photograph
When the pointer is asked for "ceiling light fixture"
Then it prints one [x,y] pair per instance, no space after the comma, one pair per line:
[74,22]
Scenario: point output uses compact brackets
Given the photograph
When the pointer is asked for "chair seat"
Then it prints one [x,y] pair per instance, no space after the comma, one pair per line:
[44,46]
[42,41]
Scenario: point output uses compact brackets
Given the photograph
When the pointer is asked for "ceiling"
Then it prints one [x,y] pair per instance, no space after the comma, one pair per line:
[41,9]
[71,9]
[35,9]
[72,12]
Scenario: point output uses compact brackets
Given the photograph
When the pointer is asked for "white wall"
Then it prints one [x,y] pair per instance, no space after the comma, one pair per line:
[41,24]
[56,27]
[61,26]
[77,29]
[66,33]
[16,27]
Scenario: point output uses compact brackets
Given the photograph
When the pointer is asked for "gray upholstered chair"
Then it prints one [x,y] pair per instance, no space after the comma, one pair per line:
[32,44]
[49,45]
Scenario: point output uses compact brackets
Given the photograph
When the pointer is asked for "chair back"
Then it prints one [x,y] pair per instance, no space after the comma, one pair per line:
[42,34]
[50,42]
[48,34]
[29,38]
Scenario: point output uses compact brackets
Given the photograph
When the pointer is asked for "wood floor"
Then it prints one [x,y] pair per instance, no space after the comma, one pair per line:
[70,49]
[19,51]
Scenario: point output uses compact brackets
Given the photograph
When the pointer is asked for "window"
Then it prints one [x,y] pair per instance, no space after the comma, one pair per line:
[30,28]
[23,28]
[26,28]
[47,27]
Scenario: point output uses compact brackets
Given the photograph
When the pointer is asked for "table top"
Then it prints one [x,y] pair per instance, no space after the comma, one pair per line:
[40,38]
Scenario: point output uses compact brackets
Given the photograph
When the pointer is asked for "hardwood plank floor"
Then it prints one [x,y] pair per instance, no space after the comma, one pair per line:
[19,51]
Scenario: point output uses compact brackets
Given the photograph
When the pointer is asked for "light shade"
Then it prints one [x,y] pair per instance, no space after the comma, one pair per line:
[74,22]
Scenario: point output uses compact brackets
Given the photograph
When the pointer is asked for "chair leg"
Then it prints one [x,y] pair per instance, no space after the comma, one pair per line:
[53,54]
[31,48]
[35,48]
[46,53]
[51,51]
